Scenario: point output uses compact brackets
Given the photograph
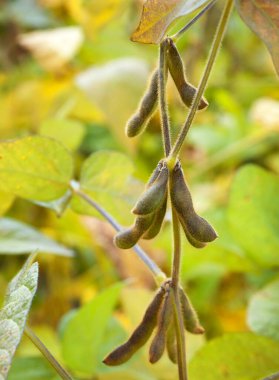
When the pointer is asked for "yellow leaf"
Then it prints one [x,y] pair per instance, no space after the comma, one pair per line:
[157,16]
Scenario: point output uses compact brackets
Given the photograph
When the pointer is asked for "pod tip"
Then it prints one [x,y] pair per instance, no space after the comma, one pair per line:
[199,330]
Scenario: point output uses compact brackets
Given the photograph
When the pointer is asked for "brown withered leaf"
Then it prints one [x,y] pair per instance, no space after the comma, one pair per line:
[157,16]
[262,16]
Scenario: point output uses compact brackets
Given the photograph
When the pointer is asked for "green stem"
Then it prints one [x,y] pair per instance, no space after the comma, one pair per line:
[49,357]
[176,250]
[156,271]
[178,318]
[211,59]
[177,35]
[162,98]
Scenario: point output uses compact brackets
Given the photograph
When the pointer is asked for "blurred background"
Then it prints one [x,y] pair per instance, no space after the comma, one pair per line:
[68,70]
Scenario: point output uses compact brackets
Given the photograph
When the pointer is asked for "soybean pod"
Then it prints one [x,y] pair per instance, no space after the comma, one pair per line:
[190,317]
[127,238]
[141,334]
[181,199]
[157,222]
[171,342]
[137,123]
[159,341]
[154,195]
[195,243]
[176,67]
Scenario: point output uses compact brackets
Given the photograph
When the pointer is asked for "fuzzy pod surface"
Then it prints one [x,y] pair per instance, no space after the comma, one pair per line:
[140,335]
[190,317]
[127,238]
[154,195]
[138,122]
[158,343]
[176,67]
[181,199]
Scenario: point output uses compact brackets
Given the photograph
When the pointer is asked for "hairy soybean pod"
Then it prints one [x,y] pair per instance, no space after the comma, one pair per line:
[186,90]
[195,243]
[141,334]
[159,341]
[181,199]
[154,195]
[190,317]
[157,222]
[155,173]
[137,123]
[171,343]
[128,238]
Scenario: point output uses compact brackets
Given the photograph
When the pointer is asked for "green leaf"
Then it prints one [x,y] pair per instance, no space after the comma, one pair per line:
[235,356]
[14,312]
[59,206]
[35,167]
[34,368]
[84,333]
[263,311]
[114,334]
[106,178]
[17,238]
[67,131]
[262,18]
[253,214]
[157,16]
[6,201]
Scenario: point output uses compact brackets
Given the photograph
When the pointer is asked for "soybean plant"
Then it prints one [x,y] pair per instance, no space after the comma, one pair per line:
[170,313]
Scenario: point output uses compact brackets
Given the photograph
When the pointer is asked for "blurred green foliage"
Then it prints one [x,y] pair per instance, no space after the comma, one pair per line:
[77,86]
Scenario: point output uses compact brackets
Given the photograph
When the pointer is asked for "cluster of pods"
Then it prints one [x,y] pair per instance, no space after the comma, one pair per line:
[166,182]
[159,315]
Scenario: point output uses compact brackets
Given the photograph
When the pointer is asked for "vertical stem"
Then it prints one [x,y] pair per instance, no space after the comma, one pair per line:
[176,249]
[211,59]
[162,98]
[179,325]
[49,357]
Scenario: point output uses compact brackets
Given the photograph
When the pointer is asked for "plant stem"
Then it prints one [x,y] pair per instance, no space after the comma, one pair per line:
[179,326]
[178,34]
[162,98]
[49,357]
[176,250]
[156,271]
[211,59]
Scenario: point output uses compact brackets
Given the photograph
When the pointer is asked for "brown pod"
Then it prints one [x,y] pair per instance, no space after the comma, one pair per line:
[155,174]
[159,341]
[141,334]
[186,90]
[154,195]
[137,123]
[127,238]
[157,222]
[171,342]
[181,199]
[190,317]
[195,243]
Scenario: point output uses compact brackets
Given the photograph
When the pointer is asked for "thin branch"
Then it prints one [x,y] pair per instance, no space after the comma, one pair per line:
[178,34]
[156,271]
[49,357]
[275,376]
[162,98]
[211,59]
